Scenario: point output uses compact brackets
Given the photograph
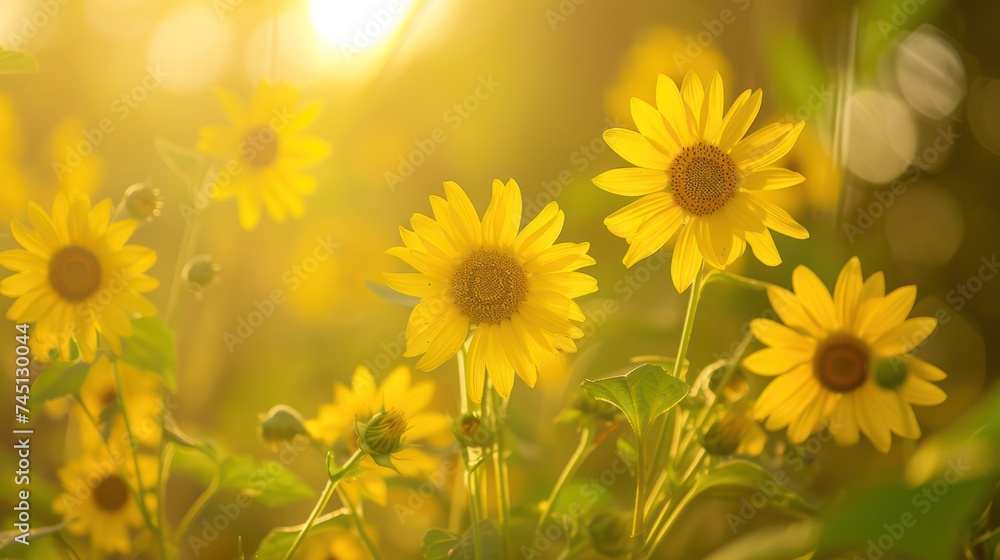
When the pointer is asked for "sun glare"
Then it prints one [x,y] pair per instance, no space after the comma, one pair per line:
[358,25]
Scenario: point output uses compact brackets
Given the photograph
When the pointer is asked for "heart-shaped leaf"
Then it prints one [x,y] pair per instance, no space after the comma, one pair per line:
[59,379]
[280,539]
[151,348]
[642,394]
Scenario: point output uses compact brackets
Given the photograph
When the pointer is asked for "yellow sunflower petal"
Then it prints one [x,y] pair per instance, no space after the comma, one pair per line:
[776,361]
[921,393]
[815,297]
[650,123]
[771,178]
[671,105]
[636,149]
[503,216]
[712,109]
[904,337]
[775,334]
[686,261]
[879,315]
[632,181]
[694,95]
[738,120]
[847,292]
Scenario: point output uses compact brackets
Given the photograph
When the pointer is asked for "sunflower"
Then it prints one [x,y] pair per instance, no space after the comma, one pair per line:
[265,152]
[96,501]
[515,288]
[143,396]
[336,423]
[698,175]
[844,360]
[76,277]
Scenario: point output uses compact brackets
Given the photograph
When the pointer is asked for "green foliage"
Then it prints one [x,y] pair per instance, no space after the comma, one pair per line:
[744,475]
[445,545]
[151,348]
[924,523]
[14,62]
[268,482]
[58,380]
[642,394]
[279,540]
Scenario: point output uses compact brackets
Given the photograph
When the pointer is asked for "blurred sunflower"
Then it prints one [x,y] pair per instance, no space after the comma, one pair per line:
[74,171]
[844,358]
[697,174]
[736,433]
[336,423]
[76,277]
[14,194]
[266,152]
[97,502]
[144,398]
[337,544]
[515,288]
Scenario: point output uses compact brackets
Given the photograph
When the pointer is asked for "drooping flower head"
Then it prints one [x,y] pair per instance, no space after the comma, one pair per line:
[844,360]
[516,288]
[698,175]
[76,277]
[265,153]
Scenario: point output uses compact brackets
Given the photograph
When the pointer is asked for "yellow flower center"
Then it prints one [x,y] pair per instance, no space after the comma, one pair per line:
[489,286]
[841,363]
[111,494]
[703,179]
[75,273]
[260,147]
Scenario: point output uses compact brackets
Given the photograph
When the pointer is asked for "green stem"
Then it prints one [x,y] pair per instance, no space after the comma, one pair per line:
[500,470]
[324,499]
[662,531]
[474,510]
[197,507]
[134,448]
[692,308]
[640,493]
[359,525]
[737,279]
[582,451]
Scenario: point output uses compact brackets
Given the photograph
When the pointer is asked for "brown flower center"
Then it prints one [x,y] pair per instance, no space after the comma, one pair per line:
[703,179]
[841,364]
[489,286]
[75,273]
[111,494]
[260,147]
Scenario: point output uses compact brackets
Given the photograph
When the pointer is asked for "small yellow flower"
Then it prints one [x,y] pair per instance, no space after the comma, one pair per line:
[698,175]
[76,277]
[515,288]
[336,423]
[97,502]
[736,433]
[265,152]
[844,359]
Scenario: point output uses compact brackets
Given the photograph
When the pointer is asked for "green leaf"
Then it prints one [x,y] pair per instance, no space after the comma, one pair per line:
[628,454]
[14,62]
[783,541]
[744,475]
[58,380]
[923,523]
[279,540]
[151,348]
[642,394]
[268,482]
[445,545]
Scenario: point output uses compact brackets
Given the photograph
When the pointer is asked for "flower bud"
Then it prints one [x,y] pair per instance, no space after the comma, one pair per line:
[383,434]
[890,373]
[142,202]
[735,433]
[471,432]
[588,410]
[201,273]
[610,532]
[281,424]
